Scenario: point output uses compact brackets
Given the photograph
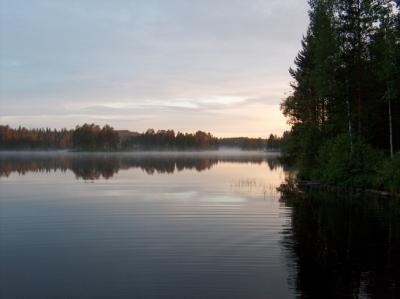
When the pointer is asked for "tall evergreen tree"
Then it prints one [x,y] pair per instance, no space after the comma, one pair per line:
[346,81]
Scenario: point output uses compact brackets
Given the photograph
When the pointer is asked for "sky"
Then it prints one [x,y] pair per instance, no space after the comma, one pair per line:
[214,65]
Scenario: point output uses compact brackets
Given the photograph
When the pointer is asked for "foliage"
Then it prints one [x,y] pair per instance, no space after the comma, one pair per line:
[92,137]
[167,140]
[273,142]
[23,138]
[244,143]
[346,91]
[341,166]
[389,175]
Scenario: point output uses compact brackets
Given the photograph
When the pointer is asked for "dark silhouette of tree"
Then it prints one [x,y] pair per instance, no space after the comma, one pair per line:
[168,140]
[273,142]
[92,137]
[23,138]
[244,143]
[346,82]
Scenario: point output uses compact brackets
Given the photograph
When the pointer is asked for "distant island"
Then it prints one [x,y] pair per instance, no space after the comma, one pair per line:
[92,137]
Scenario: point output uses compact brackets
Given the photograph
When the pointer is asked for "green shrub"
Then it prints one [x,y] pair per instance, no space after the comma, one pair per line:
[300,147]
[339,165]
[389,175]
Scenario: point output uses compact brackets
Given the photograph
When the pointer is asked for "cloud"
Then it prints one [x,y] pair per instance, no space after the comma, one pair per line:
[153,59]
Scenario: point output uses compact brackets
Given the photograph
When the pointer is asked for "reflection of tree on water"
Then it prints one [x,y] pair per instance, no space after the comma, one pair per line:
[343,247]
[92,167]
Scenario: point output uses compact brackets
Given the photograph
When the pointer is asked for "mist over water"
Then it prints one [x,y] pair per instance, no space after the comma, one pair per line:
[185,225]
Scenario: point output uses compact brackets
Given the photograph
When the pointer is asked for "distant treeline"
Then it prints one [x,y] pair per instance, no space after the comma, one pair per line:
[245,143]
[23,138]
[168,140]
[91,137]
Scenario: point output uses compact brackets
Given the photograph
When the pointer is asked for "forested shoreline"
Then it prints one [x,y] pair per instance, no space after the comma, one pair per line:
[344,109]
[92,137]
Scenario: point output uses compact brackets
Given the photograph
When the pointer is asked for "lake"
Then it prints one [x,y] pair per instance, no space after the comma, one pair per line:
[186,225]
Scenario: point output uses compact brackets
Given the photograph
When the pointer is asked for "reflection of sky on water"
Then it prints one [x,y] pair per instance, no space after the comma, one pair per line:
[186,234]
[222,232]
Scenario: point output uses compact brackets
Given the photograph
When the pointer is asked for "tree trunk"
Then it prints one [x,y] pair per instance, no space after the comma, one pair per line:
[359,62]
[390,130]
[359,113]
[349,122]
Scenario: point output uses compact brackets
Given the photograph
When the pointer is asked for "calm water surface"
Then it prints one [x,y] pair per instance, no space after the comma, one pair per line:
[206,225]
